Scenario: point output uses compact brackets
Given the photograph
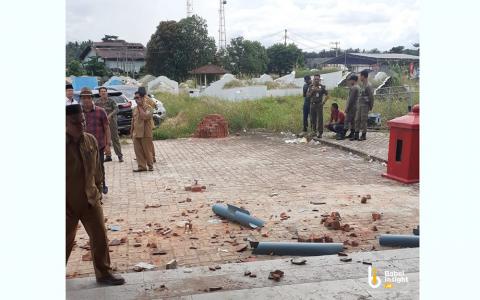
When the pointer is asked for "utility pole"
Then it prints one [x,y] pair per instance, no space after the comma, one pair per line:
[336,47]
[189,8]
[285,40]
[222,35]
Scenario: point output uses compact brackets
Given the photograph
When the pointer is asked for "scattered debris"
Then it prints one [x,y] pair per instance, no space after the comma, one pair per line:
[159,252]
[247,273]
[241,248]
[394,240]
[252,275]
[87,257]
[212,268]
[115,242]
[237,214]
[119,220]
[152,206]
[188,200]
[187,270]
[298,261]
[166,231]
[354,244]
[342,254]
[366,263]
[284,216]
[114,227]
[353,234]
[214,288]
[171,264]
[332,221]
[363,200]
[368,196]
[276,275]
[346,259]
[317,203]
[374,228]
[143,266]
[376,216]
[222,250]
[273,194]
[152,245]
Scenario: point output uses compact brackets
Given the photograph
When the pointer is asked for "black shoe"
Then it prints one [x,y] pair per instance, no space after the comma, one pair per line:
[105,189]
[355,136]
[120,158]
[111,280]
[108,158]
[363,137]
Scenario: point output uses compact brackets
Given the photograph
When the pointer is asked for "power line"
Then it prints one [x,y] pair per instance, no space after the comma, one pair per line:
[308,39]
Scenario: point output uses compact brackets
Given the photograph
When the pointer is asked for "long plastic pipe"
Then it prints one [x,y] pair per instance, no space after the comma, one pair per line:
[237,214]
[301,249]
[395,240]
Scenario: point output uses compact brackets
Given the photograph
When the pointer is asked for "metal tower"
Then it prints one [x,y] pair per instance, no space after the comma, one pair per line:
[189,8]
[222,35]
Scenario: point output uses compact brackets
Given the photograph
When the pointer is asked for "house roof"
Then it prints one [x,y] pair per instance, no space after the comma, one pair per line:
[118,49]
[317,60]
[208,69]
[388,56]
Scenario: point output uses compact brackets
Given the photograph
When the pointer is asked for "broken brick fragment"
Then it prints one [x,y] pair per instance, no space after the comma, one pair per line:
[346,259]
[354,244]
[376,216]
[363,200]
[276,275]
[374,228]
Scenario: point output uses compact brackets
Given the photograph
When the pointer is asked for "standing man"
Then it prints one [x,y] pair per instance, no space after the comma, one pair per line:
[97,125]
[111,108]
[351,107]
[364,105]
[306,102]
[69,95]
[83,195]
[150,105]
[337,120]
[142,134]
[315,93]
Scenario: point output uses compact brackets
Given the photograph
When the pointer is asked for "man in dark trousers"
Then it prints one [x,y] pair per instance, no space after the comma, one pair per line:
[83,194]
[337,121]
[351,107]
[97,125]
[364,105]
[306,102]
[316,93]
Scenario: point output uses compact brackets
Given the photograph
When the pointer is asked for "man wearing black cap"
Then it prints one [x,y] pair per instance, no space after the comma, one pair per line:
[69,95]
[83,194]
[96,124]
[306,102]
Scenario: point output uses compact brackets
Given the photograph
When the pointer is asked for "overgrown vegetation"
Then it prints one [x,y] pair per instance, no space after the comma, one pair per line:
[274,114]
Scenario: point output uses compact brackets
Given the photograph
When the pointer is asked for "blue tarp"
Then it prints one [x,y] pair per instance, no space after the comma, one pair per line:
[84,81]
[114,80]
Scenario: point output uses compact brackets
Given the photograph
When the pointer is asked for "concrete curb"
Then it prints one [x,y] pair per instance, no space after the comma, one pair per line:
[354,151]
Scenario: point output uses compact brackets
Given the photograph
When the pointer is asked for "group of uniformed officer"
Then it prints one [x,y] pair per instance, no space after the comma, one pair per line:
[359,103]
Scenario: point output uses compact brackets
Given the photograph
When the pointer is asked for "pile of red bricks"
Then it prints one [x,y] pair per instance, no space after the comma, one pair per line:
[212,126]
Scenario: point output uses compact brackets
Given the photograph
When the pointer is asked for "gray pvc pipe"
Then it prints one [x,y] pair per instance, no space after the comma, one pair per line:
[396,240]
[237,214]
[300,249]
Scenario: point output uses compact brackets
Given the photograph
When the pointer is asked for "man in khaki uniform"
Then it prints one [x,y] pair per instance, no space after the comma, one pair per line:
[151,105]
[364,105]
[83,194]
[142,134]
[351,107]
[111,108]
[316,92]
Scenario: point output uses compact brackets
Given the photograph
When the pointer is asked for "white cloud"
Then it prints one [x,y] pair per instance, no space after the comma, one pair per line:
[312,24]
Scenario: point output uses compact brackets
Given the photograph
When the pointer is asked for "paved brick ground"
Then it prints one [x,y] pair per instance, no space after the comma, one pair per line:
[376,145]
[261,173]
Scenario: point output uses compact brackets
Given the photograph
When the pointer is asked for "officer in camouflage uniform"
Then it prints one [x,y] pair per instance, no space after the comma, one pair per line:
[351,107]
[111,108]
[315,92]
[364,105]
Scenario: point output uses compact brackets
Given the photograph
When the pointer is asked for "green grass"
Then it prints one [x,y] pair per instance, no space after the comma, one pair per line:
[274,114]
[300,73]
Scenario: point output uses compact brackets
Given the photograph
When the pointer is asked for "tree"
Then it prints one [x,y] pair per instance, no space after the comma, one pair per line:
[95,67]
[374,50]
[178,47]
[397,49]
[74,49]
[75,68]
[283,59]
[245,57]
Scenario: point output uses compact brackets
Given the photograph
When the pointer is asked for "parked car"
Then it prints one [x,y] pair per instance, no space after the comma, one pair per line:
[124,115]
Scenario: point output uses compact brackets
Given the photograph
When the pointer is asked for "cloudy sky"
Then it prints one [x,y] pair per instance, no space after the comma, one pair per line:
[311,24]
